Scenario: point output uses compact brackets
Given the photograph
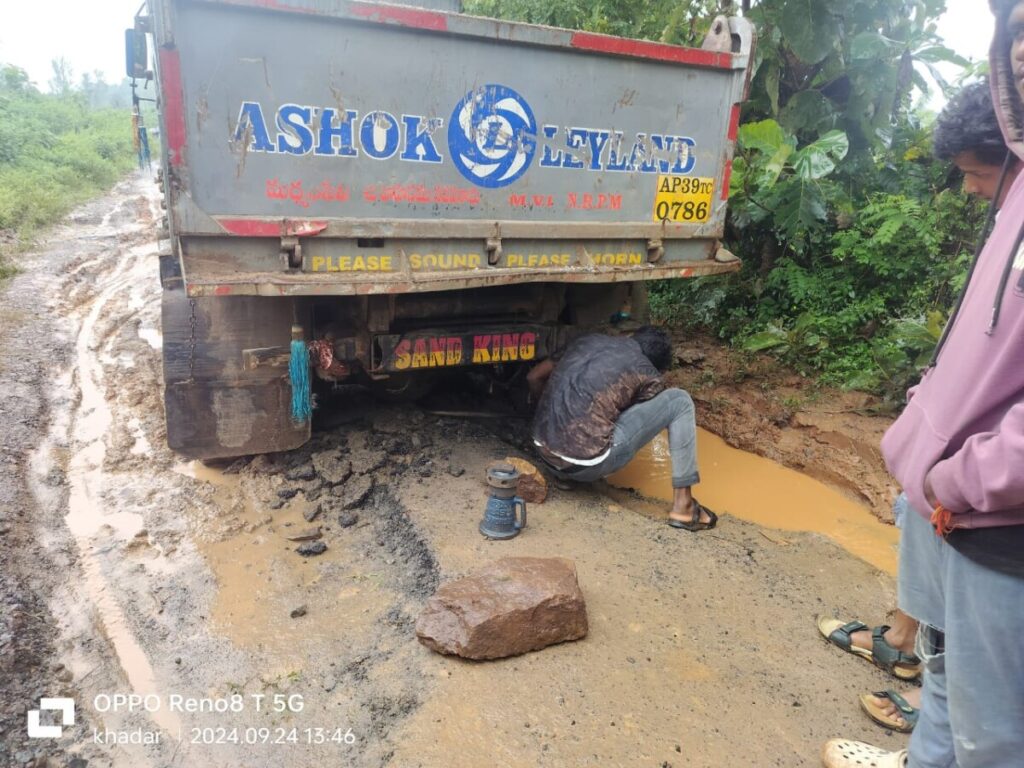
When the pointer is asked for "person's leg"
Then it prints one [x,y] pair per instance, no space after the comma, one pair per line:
[931,745]
[984,663]
[673,410]
[921,588]
[640,424]
[901,634]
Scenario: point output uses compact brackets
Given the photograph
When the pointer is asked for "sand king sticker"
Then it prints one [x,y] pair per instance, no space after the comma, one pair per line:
[465,349]
[685,199]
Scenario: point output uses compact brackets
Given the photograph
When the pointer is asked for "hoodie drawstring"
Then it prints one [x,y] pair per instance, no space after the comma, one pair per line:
[1003,280]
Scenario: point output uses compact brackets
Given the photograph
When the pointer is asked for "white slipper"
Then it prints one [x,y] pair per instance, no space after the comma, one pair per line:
[842,753]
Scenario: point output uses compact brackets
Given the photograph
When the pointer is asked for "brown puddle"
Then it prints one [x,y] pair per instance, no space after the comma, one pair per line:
[260,577]
[759,490]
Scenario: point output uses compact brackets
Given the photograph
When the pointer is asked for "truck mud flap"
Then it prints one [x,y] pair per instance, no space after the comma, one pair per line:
[215,408]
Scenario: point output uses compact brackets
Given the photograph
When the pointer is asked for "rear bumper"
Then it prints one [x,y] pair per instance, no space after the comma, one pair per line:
[317,284]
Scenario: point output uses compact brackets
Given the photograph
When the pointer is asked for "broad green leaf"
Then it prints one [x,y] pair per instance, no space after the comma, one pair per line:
[770,339]
[939,53]
[870,45]
[809,28]
[808,111]
[801,208]
[939,78]
[765,136]
[817,160]
[804,321]
[773,168]
[833,143]
[739,175]
[919,82]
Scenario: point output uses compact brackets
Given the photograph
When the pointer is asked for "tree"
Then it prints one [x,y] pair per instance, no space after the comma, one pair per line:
[14,79]
[63,78]
[847,228]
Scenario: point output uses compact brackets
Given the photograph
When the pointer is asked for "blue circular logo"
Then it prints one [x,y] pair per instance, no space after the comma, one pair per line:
[492,136]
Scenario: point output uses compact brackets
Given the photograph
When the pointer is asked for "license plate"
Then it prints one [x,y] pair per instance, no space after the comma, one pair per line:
[683,199]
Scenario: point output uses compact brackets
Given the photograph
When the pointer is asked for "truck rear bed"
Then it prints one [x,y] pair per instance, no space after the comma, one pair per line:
[322,147]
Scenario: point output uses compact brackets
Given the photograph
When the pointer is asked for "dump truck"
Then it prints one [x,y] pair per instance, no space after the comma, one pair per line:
[391,191]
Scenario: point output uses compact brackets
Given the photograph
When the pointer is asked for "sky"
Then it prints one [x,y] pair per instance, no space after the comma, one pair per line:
[90,34]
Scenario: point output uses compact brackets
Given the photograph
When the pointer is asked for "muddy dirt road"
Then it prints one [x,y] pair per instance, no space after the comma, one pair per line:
[125,571]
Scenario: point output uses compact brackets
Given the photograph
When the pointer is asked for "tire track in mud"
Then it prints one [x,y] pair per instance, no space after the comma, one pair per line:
[87,510]
[138,613]
[87,298]
[37,362]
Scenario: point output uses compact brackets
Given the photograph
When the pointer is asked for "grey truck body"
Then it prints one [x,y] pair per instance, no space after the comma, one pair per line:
[385,175]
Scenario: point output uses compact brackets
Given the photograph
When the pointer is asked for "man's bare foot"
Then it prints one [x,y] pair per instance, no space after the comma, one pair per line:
[901,634]
[889,709]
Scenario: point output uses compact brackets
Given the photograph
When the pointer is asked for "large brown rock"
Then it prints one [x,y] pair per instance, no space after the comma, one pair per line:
[515,605]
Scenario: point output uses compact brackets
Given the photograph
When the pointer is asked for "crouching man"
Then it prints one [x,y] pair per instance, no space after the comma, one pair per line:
[603,400]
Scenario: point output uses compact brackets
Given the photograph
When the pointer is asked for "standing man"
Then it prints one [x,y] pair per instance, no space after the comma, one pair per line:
[967,134]
[603,401]
[958,452]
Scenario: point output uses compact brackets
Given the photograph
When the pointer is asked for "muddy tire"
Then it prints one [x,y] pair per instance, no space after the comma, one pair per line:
[214,409]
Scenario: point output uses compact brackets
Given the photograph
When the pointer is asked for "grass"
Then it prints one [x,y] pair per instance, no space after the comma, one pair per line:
[55,152]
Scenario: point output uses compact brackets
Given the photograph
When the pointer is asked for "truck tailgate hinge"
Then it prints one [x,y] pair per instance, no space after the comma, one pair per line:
[494,246]
[655,250]
[291,253]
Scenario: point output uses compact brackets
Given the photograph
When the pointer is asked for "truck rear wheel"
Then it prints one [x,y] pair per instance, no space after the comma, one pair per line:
[214,408]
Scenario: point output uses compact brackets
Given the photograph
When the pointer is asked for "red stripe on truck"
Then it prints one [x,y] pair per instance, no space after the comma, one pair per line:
[173,104]
[647,50]
[726,179]
[734,123]
[406,17]
[272,228]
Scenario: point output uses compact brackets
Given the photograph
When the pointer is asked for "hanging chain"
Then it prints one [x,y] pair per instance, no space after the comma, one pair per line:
[192,341]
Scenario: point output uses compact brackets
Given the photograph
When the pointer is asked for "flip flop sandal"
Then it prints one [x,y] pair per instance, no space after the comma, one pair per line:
[695,524]
[903,666]
[840,753]
[876,713]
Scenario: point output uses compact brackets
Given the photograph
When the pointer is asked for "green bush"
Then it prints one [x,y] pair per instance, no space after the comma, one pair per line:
[55,152]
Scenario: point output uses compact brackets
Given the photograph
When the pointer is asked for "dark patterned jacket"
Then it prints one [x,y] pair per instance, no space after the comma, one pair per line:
[596,379]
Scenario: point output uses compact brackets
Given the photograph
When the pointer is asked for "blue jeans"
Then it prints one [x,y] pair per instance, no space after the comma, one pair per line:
[638,425]
[971,641]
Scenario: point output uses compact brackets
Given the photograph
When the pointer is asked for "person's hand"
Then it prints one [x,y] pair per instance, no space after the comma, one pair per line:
[929,492]
[538,377]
